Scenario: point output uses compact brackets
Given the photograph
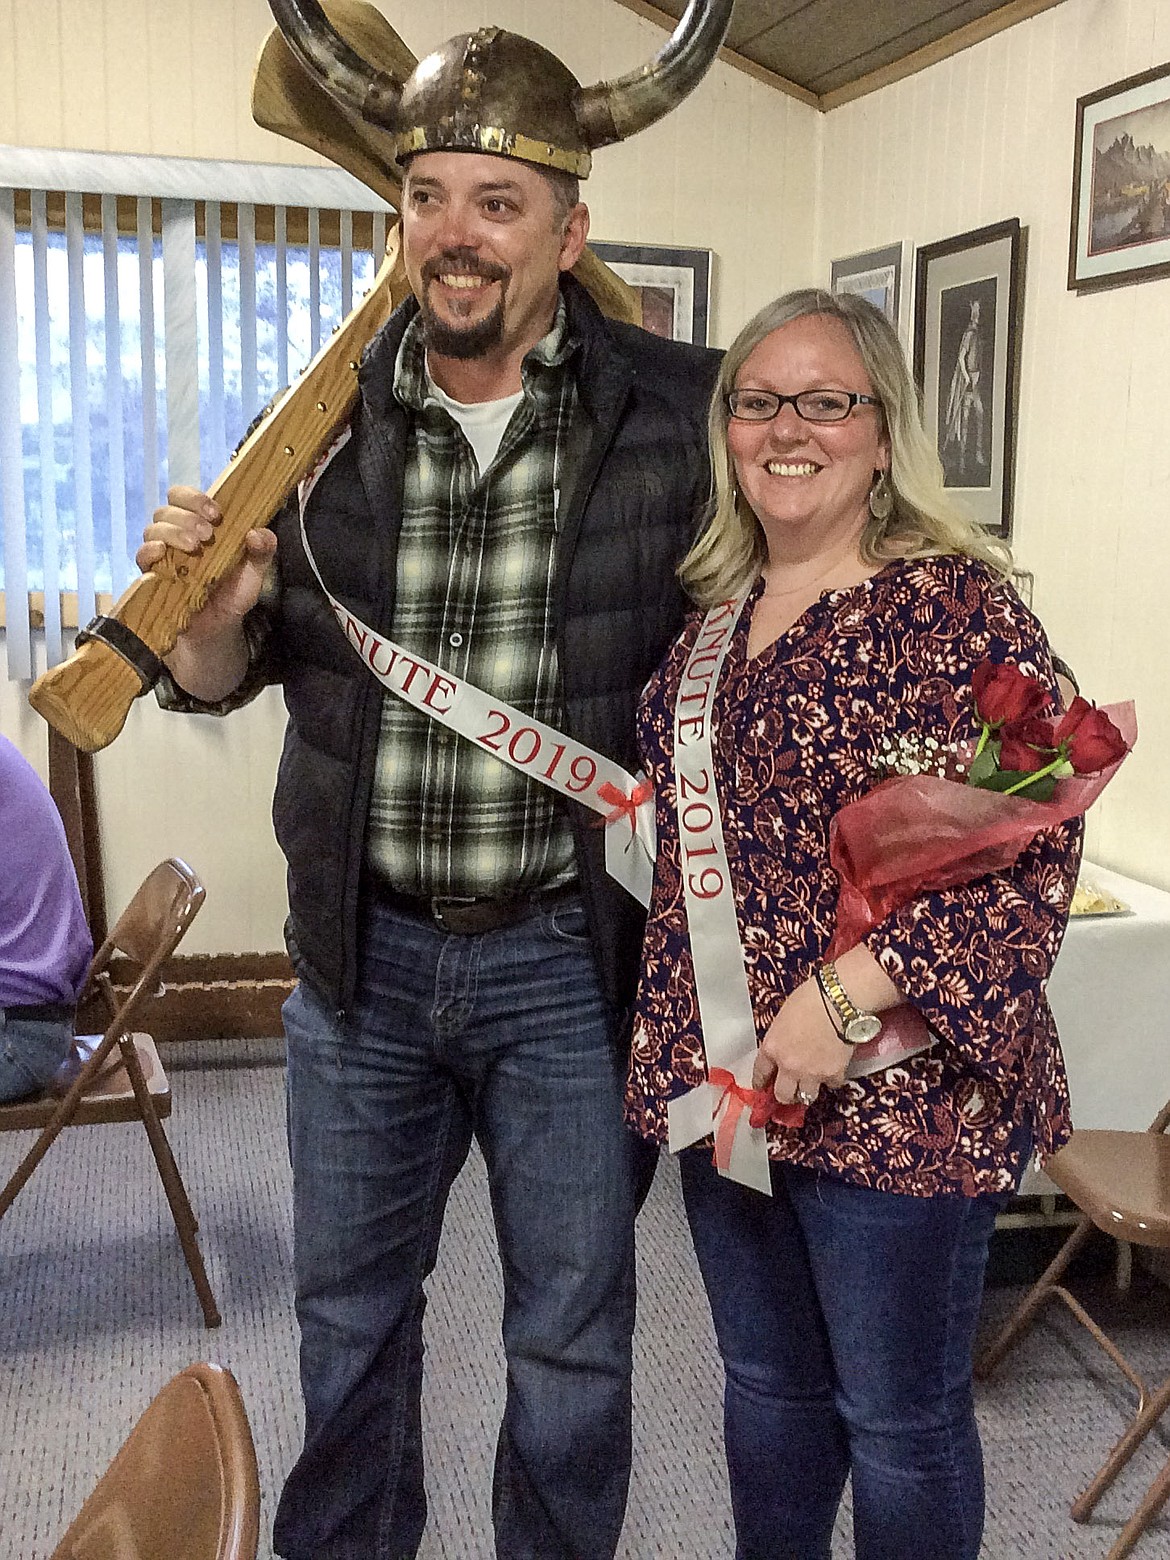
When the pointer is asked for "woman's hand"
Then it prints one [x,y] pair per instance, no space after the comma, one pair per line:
[802,1051]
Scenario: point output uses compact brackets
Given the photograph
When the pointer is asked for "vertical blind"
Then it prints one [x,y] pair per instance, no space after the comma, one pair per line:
[139,336]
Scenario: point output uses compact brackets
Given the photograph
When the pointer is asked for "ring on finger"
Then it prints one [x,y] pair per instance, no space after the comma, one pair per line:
[803,1097]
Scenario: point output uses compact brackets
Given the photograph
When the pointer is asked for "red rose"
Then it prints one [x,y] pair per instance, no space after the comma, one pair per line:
[1089,738]
[1004,693]
[1027,745]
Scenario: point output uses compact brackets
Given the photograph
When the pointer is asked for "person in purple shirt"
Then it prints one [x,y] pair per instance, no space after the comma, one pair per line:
[45,945]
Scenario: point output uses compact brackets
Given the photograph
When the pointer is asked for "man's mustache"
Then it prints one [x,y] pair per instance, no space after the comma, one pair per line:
[464,262]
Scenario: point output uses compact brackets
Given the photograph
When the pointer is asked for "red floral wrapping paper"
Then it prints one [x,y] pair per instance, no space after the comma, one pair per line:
[913,834]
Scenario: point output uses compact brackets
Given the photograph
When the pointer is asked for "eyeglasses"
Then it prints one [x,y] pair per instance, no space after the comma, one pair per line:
[815,406]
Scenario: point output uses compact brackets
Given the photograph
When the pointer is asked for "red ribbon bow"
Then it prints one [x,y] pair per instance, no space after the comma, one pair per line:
[625,806]
[764,1105]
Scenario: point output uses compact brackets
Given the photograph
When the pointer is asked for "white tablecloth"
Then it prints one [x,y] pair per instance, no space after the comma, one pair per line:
[1110,995]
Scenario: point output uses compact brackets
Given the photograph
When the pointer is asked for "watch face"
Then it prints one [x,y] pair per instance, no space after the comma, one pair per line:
[866,1026]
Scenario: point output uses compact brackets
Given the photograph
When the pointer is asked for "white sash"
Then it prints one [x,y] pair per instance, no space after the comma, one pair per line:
[528,745]
[721,983]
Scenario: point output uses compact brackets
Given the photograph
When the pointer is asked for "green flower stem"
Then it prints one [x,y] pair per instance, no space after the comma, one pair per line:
[984,735]
[1039,774]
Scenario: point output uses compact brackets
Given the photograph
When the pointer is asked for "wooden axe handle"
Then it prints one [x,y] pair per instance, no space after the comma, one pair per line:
[87,697]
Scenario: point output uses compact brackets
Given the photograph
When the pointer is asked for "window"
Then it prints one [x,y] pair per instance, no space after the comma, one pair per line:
[139,335]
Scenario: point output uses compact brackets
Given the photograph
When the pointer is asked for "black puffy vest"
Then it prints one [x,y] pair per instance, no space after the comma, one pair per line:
[635,482]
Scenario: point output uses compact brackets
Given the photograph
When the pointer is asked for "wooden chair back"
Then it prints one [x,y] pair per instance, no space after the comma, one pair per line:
[184,1485]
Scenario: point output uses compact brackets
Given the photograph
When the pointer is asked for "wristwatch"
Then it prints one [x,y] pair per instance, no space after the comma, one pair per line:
[857,1026]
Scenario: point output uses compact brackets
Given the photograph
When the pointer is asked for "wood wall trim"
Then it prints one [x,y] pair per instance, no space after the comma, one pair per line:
[982,28]
[653,13]
[70,617]
[71,785]
[218,996]
[930,54]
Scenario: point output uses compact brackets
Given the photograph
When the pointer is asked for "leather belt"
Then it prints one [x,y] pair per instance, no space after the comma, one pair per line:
[473,917]
[46,1011]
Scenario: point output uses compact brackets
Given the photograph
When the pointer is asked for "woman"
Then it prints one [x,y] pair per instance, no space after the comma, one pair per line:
[845,1304]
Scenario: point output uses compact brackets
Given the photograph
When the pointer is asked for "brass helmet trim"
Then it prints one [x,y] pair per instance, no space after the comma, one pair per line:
[490,138]
[494,91]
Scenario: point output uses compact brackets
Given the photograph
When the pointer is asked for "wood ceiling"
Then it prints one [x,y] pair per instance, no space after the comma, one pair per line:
[828,52]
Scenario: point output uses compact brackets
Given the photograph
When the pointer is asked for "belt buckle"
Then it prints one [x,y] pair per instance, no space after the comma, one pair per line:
[474,917]
[440,908]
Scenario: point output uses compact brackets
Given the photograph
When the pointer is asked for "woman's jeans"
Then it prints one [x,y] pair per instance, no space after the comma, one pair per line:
[31,1050]
[846,1320]
[503,1037]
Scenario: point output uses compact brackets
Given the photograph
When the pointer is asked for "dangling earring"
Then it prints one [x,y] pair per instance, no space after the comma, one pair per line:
[881,497]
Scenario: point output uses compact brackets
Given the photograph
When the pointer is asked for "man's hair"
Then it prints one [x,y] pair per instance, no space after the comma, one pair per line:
[924,519]
[566,191]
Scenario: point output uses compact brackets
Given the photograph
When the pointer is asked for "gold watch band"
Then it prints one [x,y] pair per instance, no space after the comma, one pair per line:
[857,1026]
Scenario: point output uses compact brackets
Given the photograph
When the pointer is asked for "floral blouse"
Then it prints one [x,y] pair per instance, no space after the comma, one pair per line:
[800,730]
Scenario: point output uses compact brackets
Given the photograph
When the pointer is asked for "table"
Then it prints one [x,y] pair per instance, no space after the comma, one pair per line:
[1110,996]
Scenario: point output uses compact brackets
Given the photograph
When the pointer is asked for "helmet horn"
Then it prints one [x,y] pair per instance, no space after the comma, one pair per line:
[324,53]
[615,110]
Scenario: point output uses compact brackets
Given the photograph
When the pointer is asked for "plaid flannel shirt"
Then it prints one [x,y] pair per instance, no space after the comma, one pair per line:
[476,558]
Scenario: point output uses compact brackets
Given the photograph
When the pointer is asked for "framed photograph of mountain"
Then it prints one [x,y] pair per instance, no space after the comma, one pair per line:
[1121,183]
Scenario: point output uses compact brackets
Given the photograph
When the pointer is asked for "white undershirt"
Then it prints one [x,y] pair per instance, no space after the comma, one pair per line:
[483,422]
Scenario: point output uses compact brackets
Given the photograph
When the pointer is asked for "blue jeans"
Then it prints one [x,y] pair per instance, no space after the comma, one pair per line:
[846,1320]
[31,1050]
[504,1037]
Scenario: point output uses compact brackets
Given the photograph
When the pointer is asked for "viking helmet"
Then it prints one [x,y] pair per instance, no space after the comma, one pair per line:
[494,91]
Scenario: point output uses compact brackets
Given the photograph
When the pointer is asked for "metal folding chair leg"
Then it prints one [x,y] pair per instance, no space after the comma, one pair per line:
[1033,1302]
[176,1192]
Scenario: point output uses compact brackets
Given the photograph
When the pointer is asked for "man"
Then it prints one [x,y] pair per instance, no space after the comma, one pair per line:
[518,483]
[45,946]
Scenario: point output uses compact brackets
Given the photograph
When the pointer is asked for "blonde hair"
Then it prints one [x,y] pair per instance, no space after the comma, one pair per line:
[924,519]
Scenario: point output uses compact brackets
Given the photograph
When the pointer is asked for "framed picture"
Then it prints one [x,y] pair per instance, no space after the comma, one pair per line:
[675,285]
[882,276]
[1121,183]
[967,297]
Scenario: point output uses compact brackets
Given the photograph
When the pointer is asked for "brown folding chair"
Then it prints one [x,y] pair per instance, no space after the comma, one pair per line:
[1121,1183]
[184,1484]
[117,1076]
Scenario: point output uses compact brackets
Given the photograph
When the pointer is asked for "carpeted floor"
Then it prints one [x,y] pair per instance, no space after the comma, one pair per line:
[97,1311]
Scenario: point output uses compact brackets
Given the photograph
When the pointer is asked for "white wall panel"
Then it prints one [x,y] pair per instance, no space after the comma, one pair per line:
[200,788]
[30,110]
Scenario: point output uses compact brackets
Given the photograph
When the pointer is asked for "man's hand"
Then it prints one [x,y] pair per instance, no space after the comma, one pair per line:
[188,522]
[211,655]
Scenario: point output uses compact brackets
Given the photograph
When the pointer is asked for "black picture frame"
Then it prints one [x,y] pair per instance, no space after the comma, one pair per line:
[675,285]
[1120,228]
[883,276]
[968,296]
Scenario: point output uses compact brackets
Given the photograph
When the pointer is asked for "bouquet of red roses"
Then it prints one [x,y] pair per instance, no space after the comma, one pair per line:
[946,818]
[954,817]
